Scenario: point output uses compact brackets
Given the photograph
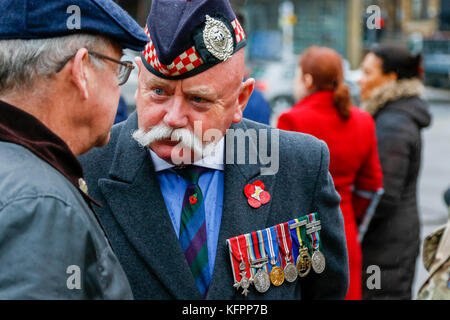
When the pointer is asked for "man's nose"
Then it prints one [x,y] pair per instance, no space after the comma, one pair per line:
[177,113]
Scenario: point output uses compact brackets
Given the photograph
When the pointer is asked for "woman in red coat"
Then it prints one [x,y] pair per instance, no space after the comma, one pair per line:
[325,111]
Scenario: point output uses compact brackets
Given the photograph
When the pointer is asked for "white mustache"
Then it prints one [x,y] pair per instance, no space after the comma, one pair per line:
[162,131]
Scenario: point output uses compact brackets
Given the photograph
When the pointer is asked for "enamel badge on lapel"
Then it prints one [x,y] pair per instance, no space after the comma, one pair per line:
[256,194]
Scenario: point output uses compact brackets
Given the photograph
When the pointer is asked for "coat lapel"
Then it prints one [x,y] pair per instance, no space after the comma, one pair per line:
[237,217]
[135,199]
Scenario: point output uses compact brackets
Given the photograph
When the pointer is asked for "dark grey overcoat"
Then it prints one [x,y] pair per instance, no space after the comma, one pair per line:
[122,178]
[392,241]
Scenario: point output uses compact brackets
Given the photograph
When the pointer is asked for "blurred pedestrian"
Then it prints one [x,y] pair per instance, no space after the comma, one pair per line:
[324,110]
[390,91]
[257,109]
[59,91]
[436,259]
[122,112]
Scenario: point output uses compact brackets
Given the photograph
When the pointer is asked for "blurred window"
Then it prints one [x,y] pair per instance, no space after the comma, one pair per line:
[420,9]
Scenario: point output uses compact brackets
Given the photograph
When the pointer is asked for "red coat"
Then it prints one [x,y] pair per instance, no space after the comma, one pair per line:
[354,161]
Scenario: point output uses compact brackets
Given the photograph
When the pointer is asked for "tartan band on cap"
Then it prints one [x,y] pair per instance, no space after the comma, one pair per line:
[188,60]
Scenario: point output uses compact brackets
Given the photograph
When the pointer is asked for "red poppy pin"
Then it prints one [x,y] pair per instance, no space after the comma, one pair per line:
[256,194]
[193,199]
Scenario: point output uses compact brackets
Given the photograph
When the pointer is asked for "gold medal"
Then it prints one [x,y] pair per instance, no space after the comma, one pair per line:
[277,276]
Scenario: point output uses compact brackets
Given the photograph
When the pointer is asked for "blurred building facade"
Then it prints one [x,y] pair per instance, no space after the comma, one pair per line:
[405,20]
[278,29]
[332,23]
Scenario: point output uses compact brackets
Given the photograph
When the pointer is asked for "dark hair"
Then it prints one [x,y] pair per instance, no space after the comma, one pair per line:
[325,66]
[399,60]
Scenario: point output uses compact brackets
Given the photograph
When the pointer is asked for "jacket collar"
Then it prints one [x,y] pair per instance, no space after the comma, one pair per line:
[392,91]
[323,99]
[21,128]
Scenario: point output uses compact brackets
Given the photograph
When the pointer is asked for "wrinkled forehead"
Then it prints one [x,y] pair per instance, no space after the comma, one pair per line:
[214,80]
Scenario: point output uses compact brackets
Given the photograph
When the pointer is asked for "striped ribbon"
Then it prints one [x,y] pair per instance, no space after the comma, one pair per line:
[297,242]
[285,243]
[271,243]
[315,238]
[257,251]
[238,253]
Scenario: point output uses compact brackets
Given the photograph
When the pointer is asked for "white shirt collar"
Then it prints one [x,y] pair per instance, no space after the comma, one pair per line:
[213,161]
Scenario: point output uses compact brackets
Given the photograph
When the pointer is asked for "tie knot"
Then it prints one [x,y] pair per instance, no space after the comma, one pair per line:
[190,173]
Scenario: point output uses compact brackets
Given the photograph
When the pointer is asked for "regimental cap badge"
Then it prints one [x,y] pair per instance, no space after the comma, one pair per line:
[218,39]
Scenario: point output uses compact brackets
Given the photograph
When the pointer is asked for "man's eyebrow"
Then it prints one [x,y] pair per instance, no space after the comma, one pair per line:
[156,82]
[202,90]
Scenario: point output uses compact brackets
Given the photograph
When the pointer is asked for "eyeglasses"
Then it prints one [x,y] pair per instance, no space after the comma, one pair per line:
[125,67]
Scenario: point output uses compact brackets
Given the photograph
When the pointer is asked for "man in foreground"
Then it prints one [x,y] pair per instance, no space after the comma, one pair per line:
[59,91]
[169,220]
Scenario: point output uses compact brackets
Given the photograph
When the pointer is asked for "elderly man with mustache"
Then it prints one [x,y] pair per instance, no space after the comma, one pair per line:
[171,201]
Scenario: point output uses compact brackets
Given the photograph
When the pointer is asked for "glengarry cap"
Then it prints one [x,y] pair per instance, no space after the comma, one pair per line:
[187,37]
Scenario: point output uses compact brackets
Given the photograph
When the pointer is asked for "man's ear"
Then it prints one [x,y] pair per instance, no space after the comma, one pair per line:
[79,72]
[244,95]
[139,63]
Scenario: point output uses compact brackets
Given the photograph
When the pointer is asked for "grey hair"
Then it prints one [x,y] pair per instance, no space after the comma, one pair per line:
[22,62]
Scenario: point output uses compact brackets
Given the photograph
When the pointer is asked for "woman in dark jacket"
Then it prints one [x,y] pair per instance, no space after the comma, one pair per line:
[390,90]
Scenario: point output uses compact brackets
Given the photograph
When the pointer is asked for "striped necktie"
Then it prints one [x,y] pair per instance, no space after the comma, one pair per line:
[192,234]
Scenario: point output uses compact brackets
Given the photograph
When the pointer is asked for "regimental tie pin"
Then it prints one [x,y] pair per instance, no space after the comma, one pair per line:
[256,194]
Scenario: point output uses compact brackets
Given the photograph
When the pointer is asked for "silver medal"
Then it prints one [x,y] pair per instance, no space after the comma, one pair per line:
[318,261]
[261,281]
[218,39]
[290,272]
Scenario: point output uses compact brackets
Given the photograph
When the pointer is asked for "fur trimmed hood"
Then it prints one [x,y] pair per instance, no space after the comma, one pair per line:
[392,91]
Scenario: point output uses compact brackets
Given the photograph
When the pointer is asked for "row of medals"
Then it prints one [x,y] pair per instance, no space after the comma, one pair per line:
[262,280]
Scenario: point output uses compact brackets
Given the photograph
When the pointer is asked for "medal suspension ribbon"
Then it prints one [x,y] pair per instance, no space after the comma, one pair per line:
[297,242]
[284,243]
[255,252]
[238,253]
[262,248]
[315,239]
[271,243]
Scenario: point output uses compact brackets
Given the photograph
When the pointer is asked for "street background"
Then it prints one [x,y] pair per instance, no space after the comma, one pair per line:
[278,31]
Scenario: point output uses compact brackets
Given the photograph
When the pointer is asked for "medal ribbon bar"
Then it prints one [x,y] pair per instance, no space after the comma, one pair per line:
[313,233]
[284,243]
[271,243]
